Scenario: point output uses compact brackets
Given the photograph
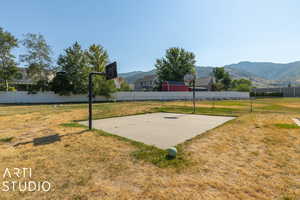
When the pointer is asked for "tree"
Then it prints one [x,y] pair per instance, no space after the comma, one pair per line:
[218,73]
[217,86]
[223,80]
[241,85]
[226,81]
[235,83]
[61,85]
[125,86]
[103,87]
[97,59]
[75,66]
[8,66]
[176,63]
[37,57]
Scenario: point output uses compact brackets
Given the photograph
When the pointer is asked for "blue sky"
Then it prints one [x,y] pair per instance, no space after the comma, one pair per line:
[137,32]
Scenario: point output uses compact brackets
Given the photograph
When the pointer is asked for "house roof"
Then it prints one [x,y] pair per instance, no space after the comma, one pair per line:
[147,78]
[203,81]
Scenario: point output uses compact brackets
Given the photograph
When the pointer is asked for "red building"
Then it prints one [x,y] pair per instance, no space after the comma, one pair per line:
[174,86]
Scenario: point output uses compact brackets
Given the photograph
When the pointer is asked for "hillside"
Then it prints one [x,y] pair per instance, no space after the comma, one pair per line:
[131,77]
[271,71]
[263,74]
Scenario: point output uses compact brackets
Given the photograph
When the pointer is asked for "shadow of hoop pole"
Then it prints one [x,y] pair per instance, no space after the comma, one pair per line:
[46,140]
[110,73]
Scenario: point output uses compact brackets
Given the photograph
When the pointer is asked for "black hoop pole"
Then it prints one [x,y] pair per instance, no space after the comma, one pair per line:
[91,97]
[194,95]
[90,101]
[110,73]
[251,98]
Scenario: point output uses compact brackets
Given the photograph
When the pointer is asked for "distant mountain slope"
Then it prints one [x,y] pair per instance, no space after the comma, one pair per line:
[271,71]
[263,74]
[129,74]
[238,74]
[204,71]
[131,77]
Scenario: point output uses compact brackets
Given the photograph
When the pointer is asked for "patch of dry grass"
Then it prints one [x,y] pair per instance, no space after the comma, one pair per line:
[247,158]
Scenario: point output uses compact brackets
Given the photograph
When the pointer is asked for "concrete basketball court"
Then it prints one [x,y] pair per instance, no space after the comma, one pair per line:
[297,121]
[162,130]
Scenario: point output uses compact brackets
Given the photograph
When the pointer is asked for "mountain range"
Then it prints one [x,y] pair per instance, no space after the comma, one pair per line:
[262,74]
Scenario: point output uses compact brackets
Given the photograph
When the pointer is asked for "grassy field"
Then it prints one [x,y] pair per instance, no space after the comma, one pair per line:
[255,156]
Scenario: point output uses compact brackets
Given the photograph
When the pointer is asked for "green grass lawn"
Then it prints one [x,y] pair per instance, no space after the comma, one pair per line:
[224,107]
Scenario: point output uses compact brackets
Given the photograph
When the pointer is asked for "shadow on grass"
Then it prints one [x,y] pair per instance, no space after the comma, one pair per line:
[49,139]
[46,140]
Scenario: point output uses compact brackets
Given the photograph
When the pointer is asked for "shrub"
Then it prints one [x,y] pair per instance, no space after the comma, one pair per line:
[10,89]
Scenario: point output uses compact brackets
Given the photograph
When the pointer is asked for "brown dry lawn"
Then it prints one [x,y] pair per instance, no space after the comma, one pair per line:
[247,158]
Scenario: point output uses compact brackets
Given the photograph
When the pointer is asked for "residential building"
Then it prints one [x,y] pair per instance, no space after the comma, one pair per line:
[118,82]
[146,83]
[174,86]
[204,84]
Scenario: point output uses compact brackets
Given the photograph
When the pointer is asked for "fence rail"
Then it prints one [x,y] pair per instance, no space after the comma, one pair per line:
[50,97]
